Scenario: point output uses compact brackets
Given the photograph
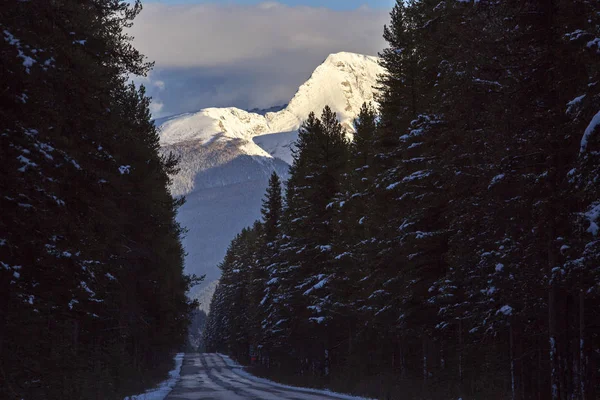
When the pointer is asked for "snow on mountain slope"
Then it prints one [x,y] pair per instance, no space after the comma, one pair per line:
[221,162]
[278,145]
[227,154]
[204,295]
[203,125]
[344,82]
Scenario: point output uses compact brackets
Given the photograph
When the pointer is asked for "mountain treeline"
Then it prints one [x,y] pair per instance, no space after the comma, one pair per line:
[451,249]
[92,293]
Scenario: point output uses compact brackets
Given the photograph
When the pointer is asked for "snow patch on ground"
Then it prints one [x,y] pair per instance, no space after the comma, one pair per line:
[161,392]
[238,369]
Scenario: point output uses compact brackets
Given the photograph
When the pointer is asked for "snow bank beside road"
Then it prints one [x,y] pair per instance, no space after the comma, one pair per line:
[238,369]
[165,387]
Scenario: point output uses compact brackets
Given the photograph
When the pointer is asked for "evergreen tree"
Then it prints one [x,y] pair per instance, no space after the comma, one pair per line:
[453,249]
[365,126]
[264,288]
[93,294]
[272,208]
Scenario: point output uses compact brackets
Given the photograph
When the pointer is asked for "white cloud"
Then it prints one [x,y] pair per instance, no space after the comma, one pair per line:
[156,107]
[245,56]
[266,5]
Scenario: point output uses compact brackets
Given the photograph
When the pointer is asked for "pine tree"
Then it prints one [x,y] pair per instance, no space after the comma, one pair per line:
[272,208]
[302,272]
[463,260]
[91,278]
[266,268]
[365,126]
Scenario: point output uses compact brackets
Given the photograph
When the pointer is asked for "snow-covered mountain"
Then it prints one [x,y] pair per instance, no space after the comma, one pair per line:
[227,154]
[267,110]
[204,295]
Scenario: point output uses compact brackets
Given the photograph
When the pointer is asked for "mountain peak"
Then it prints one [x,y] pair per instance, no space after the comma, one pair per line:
[344,81]
[348,57]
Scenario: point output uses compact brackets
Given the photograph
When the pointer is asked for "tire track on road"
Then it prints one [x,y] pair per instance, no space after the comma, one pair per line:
[289,391]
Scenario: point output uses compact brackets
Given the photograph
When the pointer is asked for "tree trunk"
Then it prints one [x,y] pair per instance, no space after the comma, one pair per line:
[582,344]
[425,371]
[539,371]
[327,366]
[557,357]
[460,358]
[554,360]
[512,363]
[403,372]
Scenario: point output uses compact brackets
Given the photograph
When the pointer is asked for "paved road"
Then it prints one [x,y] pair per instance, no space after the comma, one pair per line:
[208,377]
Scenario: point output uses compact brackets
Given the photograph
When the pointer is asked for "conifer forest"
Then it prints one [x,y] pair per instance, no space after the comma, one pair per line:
[451,249]
[447,246]
[92,291]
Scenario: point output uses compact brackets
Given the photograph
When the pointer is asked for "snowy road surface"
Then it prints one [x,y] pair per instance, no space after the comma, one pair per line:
[211,377]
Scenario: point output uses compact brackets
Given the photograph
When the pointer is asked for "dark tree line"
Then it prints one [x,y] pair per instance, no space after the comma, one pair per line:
[92,291]
[195,339]
[452,248]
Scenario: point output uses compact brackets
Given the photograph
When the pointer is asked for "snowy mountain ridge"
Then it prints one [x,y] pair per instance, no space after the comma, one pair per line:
[344,82]
[204,295]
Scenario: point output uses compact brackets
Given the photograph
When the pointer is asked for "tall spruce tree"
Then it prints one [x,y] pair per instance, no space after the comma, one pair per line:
[266,309]
[319,160]
[272,208]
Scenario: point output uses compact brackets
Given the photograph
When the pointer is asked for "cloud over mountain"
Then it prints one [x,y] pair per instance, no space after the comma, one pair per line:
[244,55]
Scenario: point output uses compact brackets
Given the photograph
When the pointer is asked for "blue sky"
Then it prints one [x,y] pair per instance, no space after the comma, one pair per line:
[332,4]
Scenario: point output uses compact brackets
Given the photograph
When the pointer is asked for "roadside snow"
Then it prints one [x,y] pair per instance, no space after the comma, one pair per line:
[238,369]
[165,387]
